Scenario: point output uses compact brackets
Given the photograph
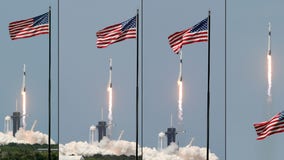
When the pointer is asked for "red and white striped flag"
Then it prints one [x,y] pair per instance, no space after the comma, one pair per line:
[197,33]
[272,126]
[29,27]
[117,33]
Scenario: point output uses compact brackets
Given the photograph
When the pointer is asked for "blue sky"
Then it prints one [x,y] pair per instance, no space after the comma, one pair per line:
[33,52]
[84,71]
[247,31]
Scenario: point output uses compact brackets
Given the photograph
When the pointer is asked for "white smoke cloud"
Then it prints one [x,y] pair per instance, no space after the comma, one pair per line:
[105,147]
[25,137]
[121,147]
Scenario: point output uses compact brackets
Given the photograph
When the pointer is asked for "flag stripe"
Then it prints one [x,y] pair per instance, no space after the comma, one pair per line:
[102,43]
[197,33]
[271,132]
[263,126]
[260,125]
[269,127]
[114,36]
[272,126]
[268,132]
[116,33]
[29,27]
[175,40]
[188,39]
[109,30]
[33,30]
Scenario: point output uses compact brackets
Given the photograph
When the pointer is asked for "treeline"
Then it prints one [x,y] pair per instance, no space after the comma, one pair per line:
[14,151]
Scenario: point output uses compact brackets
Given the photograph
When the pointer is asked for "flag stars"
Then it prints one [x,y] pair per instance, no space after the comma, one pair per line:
[131,23]
[40,20]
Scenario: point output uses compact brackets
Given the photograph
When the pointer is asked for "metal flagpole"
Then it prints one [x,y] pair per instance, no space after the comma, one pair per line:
[49,85]
[137,88]
[208,89]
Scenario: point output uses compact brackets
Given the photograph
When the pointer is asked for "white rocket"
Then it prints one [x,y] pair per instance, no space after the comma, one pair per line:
[269,62]
[180,67]
[110,98]
[269,38]
[179,82]
[24,97]
[24,79]
[110,71]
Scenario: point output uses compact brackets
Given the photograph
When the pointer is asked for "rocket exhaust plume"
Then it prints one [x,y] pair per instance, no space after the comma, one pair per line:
[180,88]
[269,63]
[180,110]
[24,97]
[110,96]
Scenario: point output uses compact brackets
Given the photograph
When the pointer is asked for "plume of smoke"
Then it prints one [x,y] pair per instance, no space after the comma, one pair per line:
[104,147]
[24,136]
[24,109]
[110,108]
[6,138]
[120,147]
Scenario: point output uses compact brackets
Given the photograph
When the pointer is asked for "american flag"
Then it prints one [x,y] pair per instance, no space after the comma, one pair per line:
[197,33]
[117,33]
[29,27]
[272,126]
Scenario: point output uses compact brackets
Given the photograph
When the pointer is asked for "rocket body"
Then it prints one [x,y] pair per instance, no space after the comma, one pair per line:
[269,63]
[24,97]
[110,72]
[179,82]
[269,39]
[180,67]
[110,118]
[24,79]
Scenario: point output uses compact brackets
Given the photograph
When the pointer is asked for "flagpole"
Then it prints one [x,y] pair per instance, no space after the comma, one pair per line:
[137,88]
[208,90]
[49,84]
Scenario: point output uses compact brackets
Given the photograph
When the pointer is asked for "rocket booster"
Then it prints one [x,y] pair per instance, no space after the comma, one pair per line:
[110,72]
[269,38]
[24,79]
[180,67]
[24,97]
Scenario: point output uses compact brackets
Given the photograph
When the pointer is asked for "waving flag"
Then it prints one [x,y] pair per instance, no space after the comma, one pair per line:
[117,33]
[197,33]
[272,126]
[29,27]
